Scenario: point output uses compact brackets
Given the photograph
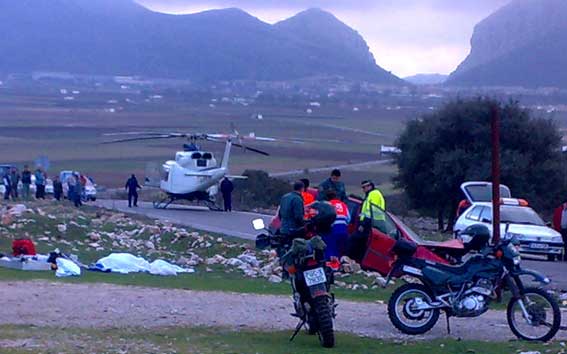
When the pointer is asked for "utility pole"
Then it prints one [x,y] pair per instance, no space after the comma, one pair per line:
[495,123]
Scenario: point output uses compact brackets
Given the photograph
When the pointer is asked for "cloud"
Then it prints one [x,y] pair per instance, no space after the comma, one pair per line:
[405,36]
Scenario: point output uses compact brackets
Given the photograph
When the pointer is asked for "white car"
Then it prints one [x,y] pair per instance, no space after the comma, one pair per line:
[517,220]
[89,188]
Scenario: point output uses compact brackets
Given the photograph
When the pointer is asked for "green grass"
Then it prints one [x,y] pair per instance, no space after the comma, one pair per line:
[219,340]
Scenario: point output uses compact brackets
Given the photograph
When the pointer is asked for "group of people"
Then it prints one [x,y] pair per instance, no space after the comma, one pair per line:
[14,182]
[330,216]
[12,179]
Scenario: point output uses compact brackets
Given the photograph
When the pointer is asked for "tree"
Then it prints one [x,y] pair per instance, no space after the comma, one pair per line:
[453,145]
[260,190]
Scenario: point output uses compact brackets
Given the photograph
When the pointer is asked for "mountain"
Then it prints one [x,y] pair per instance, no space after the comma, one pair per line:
[426,79]
[521,44]
[120,37]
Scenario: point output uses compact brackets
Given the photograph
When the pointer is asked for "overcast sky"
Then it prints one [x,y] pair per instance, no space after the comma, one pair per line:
[405,36]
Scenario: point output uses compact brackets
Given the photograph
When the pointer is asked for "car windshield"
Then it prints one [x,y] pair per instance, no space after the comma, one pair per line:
[520,215]
[415,237]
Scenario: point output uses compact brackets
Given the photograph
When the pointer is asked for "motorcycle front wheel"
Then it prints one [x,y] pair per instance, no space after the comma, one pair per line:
[403,311]
[534,316]
[324,312]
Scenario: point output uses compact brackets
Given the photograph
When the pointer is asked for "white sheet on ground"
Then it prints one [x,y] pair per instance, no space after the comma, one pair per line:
[66,268]
[125,263]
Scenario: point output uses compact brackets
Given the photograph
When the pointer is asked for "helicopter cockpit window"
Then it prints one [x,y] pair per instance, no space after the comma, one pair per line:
[196,156]
[207,156]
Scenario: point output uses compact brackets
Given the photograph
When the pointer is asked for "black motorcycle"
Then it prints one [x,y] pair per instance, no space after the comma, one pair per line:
[311,278]
[468,289]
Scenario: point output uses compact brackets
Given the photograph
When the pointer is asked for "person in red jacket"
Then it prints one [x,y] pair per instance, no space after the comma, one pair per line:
[560,223]
[336,242]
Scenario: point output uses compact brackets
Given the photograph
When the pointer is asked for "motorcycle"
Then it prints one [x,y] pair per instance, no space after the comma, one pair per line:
[311,278]
[467,290]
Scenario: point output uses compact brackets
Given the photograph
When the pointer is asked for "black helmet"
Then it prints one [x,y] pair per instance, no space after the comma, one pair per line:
[479,234]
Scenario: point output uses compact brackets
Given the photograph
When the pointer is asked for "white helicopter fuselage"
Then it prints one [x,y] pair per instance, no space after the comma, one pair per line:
[192,171]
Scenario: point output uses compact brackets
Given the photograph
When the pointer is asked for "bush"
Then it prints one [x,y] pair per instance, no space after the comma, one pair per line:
[259,190]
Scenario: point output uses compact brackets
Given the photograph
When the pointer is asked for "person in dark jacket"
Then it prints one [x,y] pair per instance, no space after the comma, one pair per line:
[7,186]
[332,183]
[78,192]
[291,210]
[14,181]
[57,188]
[40,178]
[226,189]
[132,187]
[26,182]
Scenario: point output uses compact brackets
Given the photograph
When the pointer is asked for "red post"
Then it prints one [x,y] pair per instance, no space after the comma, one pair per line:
[495,174]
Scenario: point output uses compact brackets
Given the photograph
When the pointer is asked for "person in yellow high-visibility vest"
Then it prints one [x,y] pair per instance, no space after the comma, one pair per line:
[370,216]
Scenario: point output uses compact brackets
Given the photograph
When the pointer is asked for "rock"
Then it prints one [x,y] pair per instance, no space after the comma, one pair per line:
[340,284]
[62,228]
[234,262]
[216,259]
[94,245]
[7,219]
[93,236]
[149,245]
[275,279]
[250,259]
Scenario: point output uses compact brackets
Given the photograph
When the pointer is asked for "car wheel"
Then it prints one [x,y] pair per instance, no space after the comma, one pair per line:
[552,257]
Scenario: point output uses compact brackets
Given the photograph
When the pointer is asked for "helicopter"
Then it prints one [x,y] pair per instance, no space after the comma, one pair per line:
[195,173]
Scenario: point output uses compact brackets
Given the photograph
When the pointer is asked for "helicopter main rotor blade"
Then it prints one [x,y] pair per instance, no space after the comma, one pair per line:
[252,149]
[156,137]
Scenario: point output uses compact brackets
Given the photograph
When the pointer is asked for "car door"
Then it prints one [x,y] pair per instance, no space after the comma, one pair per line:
[482,191]
[379,256]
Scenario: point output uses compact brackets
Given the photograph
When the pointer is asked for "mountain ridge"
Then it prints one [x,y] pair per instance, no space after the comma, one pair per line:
[121,37]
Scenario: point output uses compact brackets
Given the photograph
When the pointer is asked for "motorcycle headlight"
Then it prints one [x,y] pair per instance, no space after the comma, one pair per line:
[517,259]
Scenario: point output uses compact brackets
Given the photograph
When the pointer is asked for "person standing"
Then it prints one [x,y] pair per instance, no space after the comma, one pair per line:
[560,224]
[40,178]
[227,187]
[7,186]
[308,198]
[26,182]
[132,187]
[371,215]
[14,181]
[291,211]
[78,192]
[57,188]
[334,183]
[339,234]
[71,182]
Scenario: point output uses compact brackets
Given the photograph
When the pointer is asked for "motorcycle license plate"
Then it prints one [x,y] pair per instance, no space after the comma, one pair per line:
[539,246]
[315,276]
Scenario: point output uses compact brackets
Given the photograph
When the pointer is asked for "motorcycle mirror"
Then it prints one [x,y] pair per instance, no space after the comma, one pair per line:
[258,224]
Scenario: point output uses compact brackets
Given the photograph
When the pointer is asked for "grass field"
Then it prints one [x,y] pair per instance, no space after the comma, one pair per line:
[19,339]
[70,133]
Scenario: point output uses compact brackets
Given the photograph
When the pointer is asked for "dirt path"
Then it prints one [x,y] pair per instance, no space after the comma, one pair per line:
[103,306]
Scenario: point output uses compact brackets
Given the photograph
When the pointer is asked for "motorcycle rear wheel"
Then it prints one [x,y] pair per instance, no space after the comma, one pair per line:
[324,312]
[541,307]
[402,317]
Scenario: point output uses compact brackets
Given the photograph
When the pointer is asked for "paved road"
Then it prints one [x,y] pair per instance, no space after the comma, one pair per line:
[237,224]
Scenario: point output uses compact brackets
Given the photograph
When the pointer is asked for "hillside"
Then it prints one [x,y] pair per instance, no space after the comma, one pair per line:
[522,44]
[120,37]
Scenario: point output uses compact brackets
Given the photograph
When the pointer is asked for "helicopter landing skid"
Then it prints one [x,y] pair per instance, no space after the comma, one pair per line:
[165,202]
